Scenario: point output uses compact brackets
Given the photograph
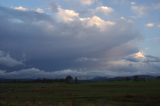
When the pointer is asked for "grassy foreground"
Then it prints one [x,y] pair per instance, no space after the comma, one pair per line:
[115,93]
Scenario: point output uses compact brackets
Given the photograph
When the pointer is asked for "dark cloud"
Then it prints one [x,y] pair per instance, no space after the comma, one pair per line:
[51,45]
[7,60]
[145,59]
[150,58]
[60,44]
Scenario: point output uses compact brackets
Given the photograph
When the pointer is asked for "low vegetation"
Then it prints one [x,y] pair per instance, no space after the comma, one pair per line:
[111,93]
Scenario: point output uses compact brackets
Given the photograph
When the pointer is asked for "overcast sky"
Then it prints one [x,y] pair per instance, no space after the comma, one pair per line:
[83,38]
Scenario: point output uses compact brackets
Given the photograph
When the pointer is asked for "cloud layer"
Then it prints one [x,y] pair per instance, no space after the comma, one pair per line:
[7,60]
[65,41]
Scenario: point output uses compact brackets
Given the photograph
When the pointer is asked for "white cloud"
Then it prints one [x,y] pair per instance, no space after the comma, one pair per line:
[97,22]
[87,2]
[150,25]
[34,73]
[67,15]
[7,60]
[104,9]
[133,3]
[122,18]
[139,10]
[86,59]
[128,20]
[114,69]
[136,57]
[39,10]
[21,8]
[139,55]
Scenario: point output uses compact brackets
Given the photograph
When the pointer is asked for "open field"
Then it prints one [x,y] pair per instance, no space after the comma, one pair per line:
[114,93]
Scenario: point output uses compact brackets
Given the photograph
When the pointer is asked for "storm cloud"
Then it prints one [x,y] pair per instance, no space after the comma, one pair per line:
[63,42]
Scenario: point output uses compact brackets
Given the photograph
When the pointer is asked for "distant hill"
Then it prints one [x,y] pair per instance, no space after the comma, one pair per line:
[135,77]
[95,79]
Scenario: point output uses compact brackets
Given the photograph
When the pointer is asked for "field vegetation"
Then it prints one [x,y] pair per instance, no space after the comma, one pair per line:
[107,93]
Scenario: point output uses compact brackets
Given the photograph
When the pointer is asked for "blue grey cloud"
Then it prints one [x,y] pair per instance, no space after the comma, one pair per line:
[49,44]
[7,60]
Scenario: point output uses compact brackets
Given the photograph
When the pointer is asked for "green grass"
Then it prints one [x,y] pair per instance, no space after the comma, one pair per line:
[115,93]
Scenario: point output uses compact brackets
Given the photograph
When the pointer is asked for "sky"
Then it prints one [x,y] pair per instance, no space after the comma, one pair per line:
[82,38]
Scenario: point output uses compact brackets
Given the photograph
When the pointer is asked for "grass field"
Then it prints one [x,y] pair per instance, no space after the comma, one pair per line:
[115,93]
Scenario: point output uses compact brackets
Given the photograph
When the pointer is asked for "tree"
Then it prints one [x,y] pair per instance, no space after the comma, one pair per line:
[136,78]
[76,80]
[69,79]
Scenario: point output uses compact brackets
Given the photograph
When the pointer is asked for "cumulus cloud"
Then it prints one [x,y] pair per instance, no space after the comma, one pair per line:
[150,25]
[20,8]
[67,15]
[133,3]
[104,9]
[97,22]
[136,57]
[139,9]
[87,2]
[141,57]
[86,59]
[7,60]
[39,10]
